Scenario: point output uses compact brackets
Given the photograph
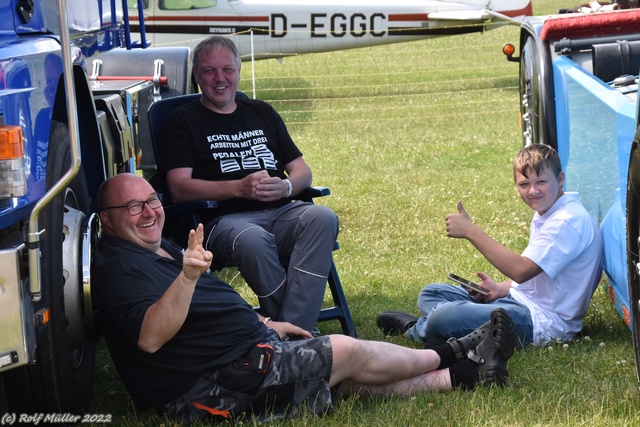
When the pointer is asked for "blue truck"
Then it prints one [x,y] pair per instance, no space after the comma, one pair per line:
[579,94]
[74,95]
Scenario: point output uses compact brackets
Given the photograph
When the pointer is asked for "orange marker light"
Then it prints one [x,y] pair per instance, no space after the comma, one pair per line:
[42,316]
[11,146]
[508,49]
[13,176]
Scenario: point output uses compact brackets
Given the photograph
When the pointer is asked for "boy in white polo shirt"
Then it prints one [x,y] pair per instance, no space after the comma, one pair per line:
[552,281]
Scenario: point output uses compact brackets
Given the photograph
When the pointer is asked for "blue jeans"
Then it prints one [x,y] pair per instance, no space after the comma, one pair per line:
[449,311]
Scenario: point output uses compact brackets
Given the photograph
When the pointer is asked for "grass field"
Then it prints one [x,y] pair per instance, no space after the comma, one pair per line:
[399,133]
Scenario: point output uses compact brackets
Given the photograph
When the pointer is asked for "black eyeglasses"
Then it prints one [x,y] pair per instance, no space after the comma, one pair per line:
[136,208]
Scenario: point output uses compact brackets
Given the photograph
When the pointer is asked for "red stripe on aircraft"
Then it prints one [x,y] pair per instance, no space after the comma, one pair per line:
[206,18]
[526,11]
[398,17]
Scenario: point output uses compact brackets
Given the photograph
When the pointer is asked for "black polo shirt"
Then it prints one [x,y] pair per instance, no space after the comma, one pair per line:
[126,280]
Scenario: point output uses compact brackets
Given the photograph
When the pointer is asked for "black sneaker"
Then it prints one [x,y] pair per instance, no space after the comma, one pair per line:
[395,322]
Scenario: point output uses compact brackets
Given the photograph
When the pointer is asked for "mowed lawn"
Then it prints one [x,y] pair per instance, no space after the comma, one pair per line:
[400,133]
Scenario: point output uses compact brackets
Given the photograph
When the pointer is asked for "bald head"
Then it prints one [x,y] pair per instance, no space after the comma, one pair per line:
[111,186]
[125,202]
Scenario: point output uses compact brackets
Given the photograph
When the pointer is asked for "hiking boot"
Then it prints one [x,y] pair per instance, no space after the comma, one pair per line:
[494,351]
[462,346]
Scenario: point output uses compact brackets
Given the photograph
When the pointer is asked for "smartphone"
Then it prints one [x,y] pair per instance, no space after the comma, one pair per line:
[468,285]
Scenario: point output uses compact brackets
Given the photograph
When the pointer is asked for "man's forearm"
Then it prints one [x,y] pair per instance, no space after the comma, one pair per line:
[299,182]
[165,318]
[299,173]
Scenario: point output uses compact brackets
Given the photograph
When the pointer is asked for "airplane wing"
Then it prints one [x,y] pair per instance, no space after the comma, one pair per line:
[460,15]
[503,10]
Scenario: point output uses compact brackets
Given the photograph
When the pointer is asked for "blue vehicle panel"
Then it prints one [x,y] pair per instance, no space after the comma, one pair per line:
[61,136]
[579,94]
[595,127]
[24,101]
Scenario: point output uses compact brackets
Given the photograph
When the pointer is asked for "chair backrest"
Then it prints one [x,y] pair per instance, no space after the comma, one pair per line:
[158,113]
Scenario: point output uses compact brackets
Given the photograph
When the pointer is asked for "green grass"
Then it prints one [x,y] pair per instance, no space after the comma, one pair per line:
[400,133]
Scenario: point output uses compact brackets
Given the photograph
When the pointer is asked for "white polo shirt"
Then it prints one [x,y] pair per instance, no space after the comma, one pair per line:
[566,244]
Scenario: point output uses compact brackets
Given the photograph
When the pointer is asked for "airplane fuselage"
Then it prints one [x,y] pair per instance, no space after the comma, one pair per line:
[265,29]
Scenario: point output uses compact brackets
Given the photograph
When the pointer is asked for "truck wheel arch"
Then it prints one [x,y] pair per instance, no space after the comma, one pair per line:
[89,134]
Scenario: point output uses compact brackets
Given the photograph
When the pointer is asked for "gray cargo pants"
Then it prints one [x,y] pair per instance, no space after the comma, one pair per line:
[304,234]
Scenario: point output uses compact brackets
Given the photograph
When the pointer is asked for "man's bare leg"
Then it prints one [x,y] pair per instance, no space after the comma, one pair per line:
[384,368]
[439,380]
[390,368]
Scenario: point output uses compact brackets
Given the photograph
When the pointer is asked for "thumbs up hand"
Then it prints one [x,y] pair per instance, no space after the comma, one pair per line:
[458,224]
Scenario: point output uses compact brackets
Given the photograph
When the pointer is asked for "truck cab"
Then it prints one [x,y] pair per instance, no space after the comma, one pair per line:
[73,112]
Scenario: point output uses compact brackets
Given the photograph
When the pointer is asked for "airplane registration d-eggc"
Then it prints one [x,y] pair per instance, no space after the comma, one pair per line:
[278,28]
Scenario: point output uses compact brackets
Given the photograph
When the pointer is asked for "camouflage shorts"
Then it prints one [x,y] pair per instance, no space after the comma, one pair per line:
[282,378]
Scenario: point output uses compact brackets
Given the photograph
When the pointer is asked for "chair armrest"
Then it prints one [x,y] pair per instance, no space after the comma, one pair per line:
[310,193]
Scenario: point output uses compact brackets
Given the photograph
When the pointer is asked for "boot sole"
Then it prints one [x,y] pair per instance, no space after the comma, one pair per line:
[502,338]
[503,332]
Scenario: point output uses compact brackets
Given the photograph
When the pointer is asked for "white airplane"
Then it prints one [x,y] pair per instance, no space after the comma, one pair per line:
[278,28]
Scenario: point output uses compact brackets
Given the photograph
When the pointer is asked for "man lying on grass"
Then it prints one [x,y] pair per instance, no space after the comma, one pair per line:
[188,344]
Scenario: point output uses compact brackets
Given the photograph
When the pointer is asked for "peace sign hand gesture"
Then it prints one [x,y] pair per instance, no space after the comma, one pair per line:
[197,259]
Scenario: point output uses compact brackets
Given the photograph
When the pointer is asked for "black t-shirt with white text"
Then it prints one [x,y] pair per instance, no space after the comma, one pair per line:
[224,147]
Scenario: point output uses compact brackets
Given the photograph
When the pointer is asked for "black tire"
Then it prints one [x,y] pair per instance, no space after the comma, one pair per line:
[529,92]
[4,408]
[61,379]
[633,244]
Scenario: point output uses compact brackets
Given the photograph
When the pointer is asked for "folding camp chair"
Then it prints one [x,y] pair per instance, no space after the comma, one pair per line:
[182,217]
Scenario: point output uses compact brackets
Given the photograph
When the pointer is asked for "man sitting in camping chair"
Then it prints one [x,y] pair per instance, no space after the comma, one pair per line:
[238,152]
